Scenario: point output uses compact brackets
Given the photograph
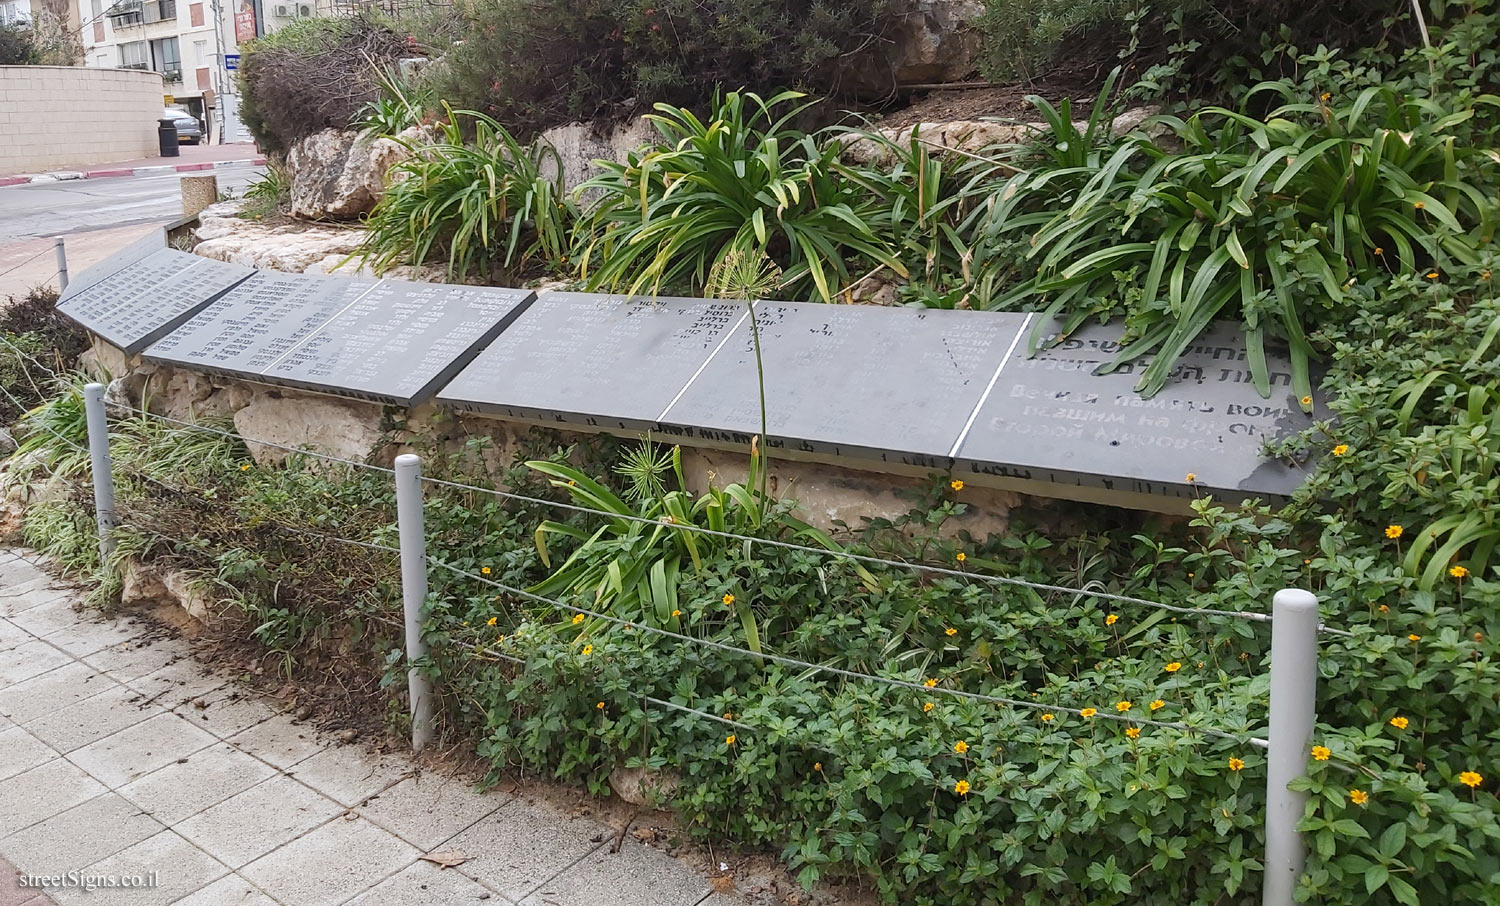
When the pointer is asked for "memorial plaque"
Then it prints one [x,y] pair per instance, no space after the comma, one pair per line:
[893,384]
[400,341]
[608,362]
[258,323]
[77,283]
[1050,419]
[381,340]
[151,296]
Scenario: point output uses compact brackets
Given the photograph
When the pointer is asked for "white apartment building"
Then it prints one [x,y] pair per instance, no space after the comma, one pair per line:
[15,12]
[185,40]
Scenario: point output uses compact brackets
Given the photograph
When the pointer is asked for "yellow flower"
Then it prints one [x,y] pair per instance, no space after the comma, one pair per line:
[1385,608]
[1111,620]
[961,788]
[1470,779]
[1414,638]
[1133,732]
[1325,96]
[1341,449]
[1399,722]
[600,706]
[1122,707]
[960,556]
[1048,717]
[1379,250]
[1419,205]
[1432,275]
[577,618]
[1321,753]
[818,766]
[1359,797]
[245,467]
[956,484]
[1088,712]
[1458,572]
[1192,477]
[1158,705]
[1393,531]
[950,631]
[676,613]
[728,599]
[1307,401]
[1236,764]
[929,683]
[491,621]
[1173,667]
[729,715]
[729,740]
[588,649]
[960,747]
[484,570]
[927,707]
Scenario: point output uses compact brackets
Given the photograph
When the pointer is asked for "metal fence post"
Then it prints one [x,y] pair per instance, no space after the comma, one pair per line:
[1294,683]
[62,263]
[104,479]
[414,590]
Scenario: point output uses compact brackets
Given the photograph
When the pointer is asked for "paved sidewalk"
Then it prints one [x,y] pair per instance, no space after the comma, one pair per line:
[191,158]
[121,757]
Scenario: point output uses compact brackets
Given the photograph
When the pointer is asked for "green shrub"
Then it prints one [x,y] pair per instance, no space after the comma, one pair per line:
[534,66]
[18,46]
[491,206]
[314,74]
[743,182]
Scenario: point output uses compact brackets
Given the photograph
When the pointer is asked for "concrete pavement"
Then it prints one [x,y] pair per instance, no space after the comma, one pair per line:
[191,158]
[123,759]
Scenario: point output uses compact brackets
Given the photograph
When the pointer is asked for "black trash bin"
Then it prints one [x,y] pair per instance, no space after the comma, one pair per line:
[166,132]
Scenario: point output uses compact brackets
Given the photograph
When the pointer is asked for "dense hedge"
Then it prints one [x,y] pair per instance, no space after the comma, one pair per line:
[314,74]
[537,65]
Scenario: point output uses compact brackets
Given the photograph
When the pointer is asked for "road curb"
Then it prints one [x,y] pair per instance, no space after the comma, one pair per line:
[155,170]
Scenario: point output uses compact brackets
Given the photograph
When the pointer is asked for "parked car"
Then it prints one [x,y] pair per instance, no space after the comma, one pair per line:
[189,130]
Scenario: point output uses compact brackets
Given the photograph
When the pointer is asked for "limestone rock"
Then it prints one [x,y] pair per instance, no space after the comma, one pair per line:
[936,41]
[146,586]
[342,428]
[7,443]
[580,144]
[338,174]
[639,786]
[292,247]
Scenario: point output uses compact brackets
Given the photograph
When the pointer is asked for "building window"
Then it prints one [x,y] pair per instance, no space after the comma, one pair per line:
[168,58]
[134,56]
[161,10]
[200,52]
[195,14]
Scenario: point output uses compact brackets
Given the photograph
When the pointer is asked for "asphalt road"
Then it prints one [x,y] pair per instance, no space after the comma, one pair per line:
[96,217]
[71,206]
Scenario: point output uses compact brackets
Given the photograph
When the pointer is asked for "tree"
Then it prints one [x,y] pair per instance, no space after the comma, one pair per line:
[18,46]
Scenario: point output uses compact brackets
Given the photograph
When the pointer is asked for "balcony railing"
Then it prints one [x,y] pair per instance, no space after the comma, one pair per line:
[160,11]
[172,75]
[141,65]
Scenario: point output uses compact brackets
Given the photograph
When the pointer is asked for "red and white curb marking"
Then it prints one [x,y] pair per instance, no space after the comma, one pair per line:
[158,170]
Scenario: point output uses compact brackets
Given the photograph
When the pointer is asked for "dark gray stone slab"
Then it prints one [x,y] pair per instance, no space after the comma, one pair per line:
[259,322]
[1050,419]
[82,280]
[151,296]
[608,362]
[400,341]
[893,384]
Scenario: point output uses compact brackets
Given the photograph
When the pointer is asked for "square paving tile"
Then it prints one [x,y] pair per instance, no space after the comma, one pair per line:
[42,792]
[425,884]
[230,890]
[12,635]
[177,867]
[90,633]
[428,809]
[178,682]
[351,775]
[91,719]
[47,618]
[331,864]
[635,876]
[226,711]
[185,788]
[524,845]
[248,825]
[80,836]
[29,659]
[279,741]
[27,595]
[52,691]
[20,751]
[140,749]
[131,660]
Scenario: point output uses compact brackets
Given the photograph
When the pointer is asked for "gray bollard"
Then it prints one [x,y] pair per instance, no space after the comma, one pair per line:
[1294,685]
[104,479]
[409,522]
[62,263]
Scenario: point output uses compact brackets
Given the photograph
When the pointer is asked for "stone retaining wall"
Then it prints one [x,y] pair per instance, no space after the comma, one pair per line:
[61,116]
